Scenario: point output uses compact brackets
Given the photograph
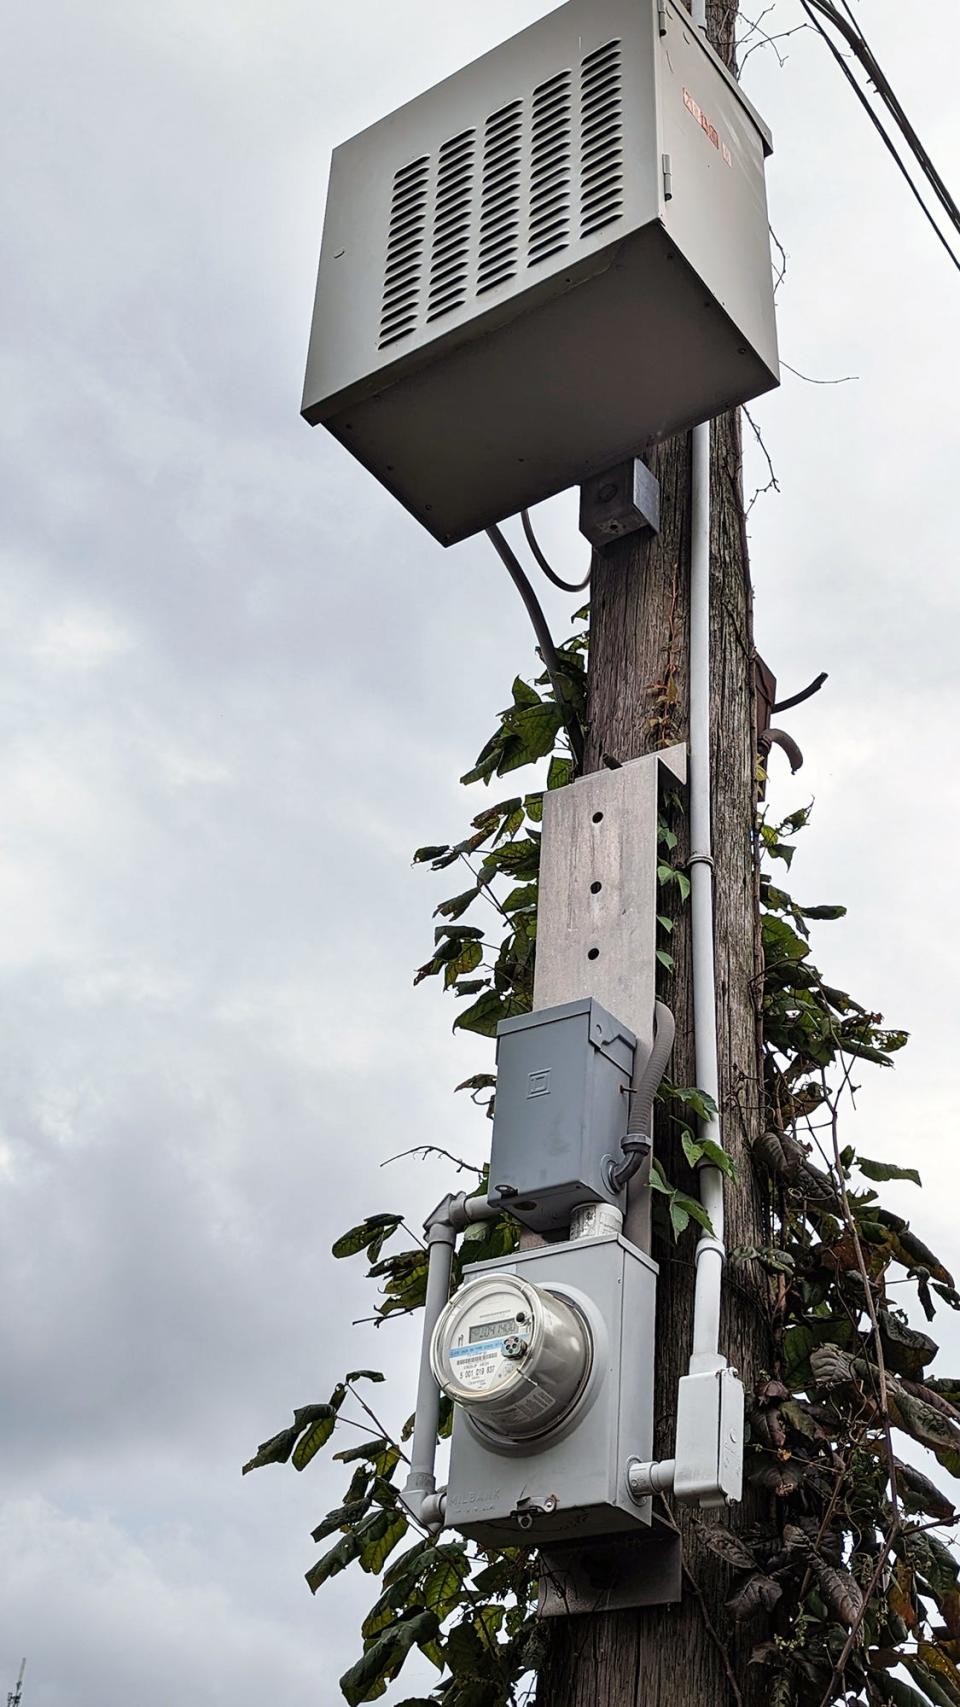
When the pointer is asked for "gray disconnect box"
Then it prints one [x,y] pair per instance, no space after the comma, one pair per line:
[563,1081]
[571,1483]
[554,258]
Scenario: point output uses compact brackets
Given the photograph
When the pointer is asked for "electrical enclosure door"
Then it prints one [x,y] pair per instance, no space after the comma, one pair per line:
[552,259]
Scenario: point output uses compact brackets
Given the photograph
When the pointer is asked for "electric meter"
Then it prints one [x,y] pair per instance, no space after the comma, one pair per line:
[514,1356]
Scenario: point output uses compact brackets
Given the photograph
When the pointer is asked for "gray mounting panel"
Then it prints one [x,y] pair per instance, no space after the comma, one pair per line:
[596,933]
[554,258]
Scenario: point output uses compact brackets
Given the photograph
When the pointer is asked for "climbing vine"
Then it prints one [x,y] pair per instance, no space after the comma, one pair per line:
[850,1578]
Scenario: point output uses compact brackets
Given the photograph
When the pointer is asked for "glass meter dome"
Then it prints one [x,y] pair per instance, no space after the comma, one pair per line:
[513,1355]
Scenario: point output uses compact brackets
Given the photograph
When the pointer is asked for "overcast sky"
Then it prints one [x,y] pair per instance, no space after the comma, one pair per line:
[238,687]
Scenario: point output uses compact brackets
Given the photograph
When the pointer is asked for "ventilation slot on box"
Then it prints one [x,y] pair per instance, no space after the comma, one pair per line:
[550,168]
[500,198]
[452,214]
[601,126]
[405,245]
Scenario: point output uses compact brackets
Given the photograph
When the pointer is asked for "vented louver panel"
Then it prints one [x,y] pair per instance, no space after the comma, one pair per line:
[452,217]
[500,198]
[403,278]
[601,127]
[551,167]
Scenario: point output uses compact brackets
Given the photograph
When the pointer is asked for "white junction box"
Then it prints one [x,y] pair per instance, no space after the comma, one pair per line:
[553,259]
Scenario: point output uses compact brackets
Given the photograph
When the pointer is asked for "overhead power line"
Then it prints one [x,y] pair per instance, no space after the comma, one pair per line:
[851,33]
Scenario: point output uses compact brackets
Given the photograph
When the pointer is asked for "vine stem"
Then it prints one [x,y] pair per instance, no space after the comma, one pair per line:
[707,1620]
[857,1625]
[868,1295]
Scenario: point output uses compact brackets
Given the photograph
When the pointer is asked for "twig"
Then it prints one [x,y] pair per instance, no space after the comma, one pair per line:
[421,1151]
[870,1305]
[781,251]
[846,379]
[857,1625]
[384,1433]
[773,484]
[708,1622]
[771,41]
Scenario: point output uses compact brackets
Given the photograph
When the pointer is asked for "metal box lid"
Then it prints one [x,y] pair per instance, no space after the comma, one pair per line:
[606,1034]
[517,289]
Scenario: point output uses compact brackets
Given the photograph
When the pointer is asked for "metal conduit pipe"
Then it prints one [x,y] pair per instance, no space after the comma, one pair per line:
[441,1227]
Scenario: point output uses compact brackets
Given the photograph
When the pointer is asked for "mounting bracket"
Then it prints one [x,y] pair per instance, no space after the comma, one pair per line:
[645,1569]
[620,501]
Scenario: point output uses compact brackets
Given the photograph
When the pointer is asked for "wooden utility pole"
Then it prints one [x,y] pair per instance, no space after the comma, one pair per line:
[685,1656]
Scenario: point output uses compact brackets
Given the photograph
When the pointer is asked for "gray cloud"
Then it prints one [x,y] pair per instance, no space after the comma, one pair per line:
[238,688]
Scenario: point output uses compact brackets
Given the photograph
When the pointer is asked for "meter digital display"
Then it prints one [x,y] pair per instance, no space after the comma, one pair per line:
[494,1330]
[514,1356]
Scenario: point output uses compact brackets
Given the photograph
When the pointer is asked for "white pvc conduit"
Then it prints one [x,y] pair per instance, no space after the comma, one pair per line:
[710,1250]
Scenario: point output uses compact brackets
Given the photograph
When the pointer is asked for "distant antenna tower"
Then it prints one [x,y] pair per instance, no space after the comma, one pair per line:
[14,1697]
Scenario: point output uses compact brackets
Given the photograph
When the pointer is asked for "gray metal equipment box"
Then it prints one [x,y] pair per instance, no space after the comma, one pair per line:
[552,259]
[572,1483]
[562,1107]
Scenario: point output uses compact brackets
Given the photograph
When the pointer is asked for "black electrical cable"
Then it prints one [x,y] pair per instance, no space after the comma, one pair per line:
[551,574]
[874,120]
[548,650]
[857,41]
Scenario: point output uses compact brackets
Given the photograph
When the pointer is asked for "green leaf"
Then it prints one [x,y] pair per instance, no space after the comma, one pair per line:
[691,1149]
[367,1680]
[377,1546]
[332,1563]
[310,1443]
[679,1217]
[533,806]
[344,1518]
[458,904]
[658,1179]
[900,1694]
[561,772]
[718,1157]
[780,942]
[422,855]
[372,1232]
[699,1103]
[486,1014]
[535,730]
[525,896]
[524,694]
[467,961]
[666,960]
[886,1171]
[665,923]
[365,1375]
[693,1209]
[274,1451]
